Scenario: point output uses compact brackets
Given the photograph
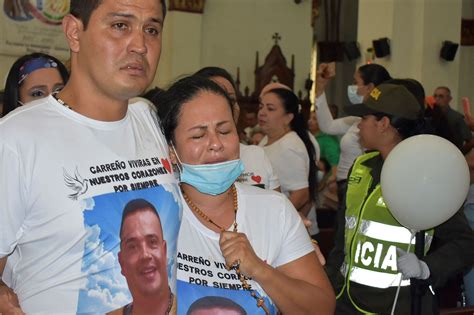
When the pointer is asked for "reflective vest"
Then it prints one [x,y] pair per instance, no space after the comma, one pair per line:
[372,234]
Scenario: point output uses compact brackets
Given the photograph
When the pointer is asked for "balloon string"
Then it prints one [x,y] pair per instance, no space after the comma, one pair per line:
[400,281]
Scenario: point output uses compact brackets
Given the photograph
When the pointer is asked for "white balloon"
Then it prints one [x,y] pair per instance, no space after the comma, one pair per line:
[424,181]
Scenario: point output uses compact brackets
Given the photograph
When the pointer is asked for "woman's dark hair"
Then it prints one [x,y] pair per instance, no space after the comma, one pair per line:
[414,87]
[373,73]
[12,87]
[183,91]
[210,72]
[82,9]
[299,125]
[406,127]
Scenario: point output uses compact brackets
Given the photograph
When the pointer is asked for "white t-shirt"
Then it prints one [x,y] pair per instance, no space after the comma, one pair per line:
[65,181]
[274,230]
[290,161]
[258,169]
[345,126]
[351,149]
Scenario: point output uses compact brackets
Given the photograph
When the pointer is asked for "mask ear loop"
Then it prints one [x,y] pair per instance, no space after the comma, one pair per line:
[179,164]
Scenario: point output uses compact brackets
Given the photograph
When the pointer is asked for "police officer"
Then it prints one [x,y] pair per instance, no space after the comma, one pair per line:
[369,257]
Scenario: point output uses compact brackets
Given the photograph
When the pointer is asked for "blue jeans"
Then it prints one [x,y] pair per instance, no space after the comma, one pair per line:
[469,277]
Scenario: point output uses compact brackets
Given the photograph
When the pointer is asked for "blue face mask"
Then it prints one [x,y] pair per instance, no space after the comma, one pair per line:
[354,98]
[212,179]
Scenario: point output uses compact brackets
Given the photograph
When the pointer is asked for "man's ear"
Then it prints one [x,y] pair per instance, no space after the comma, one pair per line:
[120,262]
[72,28]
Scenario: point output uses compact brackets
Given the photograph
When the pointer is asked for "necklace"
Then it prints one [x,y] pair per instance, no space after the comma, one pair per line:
[205,217]
[235,266]
[60,101]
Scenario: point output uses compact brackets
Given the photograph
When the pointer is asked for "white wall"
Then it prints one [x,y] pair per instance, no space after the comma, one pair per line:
[233,31]
[5,63]
[375,21]
[181,47]
[416,30]
[435,71]
[466,59]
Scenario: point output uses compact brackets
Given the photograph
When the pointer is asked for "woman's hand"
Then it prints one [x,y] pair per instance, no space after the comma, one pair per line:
[236,248]
[325,73]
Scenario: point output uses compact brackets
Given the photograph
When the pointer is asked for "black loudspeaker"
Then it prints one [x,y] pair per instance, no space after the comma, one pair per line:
[448,51]
[352,50]
[331,51]
[381,47]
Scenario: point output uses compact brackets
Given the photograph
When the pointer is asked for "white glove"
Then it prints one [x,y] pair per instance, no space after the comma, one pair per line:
[411,267]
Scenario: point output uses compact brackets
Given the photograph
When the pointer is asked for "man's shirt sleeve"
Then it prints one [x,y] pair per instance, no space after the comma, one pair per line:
[12,192]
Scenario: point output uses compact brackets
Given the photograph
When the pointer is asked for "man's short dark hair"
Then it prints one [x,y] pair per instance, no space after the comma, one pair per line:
[82,9]
[209,302]
[444,88]
[134,206]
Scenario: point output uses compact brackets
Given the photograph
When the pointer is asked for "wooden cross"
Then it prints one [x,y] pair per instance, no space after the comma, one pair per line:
[276,37]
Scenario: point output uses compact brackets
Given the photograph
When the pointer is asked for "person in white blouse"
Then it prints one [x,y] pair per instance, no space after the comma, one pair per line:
[291,149]
[366,78]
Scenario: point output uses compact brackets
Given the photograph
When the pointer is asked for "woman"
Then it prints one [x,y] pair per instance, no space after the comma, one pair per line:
[32,77]
[289,147]
[369,259]
[366,78]
[258,169]
[236,241]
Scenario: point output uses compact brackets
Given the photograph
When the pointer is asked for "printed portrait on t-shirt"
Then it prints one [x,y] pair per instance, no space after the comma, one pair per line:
[131,234]
[200,277]
[215,305]
[108,282]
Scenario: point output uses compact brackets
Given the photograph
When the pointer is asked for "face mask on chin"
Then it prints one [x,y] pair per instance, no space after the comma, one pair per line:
[354,98]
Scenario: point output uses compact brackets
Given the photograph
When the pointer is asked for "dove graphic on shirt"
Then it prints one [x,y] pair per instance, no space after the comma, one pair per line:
[76,183]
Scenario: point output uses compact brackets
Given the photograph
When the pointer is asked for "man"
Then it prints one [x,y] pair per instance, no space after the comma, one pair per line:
[215,305]
[460,133]
[86,147]
[250,123]
[142,257]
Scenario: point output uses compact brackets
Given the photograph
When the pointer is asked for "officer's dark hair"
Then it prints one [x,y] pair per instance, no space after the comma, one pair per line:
[210,302]
[405,127]
[82,9]
[373,73]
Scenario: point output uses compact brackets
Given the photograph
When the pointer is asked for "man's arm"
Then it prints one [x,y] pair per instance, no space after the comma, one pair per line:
[9,304]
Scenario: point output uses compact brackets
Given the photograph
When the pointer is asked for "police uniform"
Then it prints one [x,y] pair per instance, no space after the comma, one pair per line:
[363,268]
